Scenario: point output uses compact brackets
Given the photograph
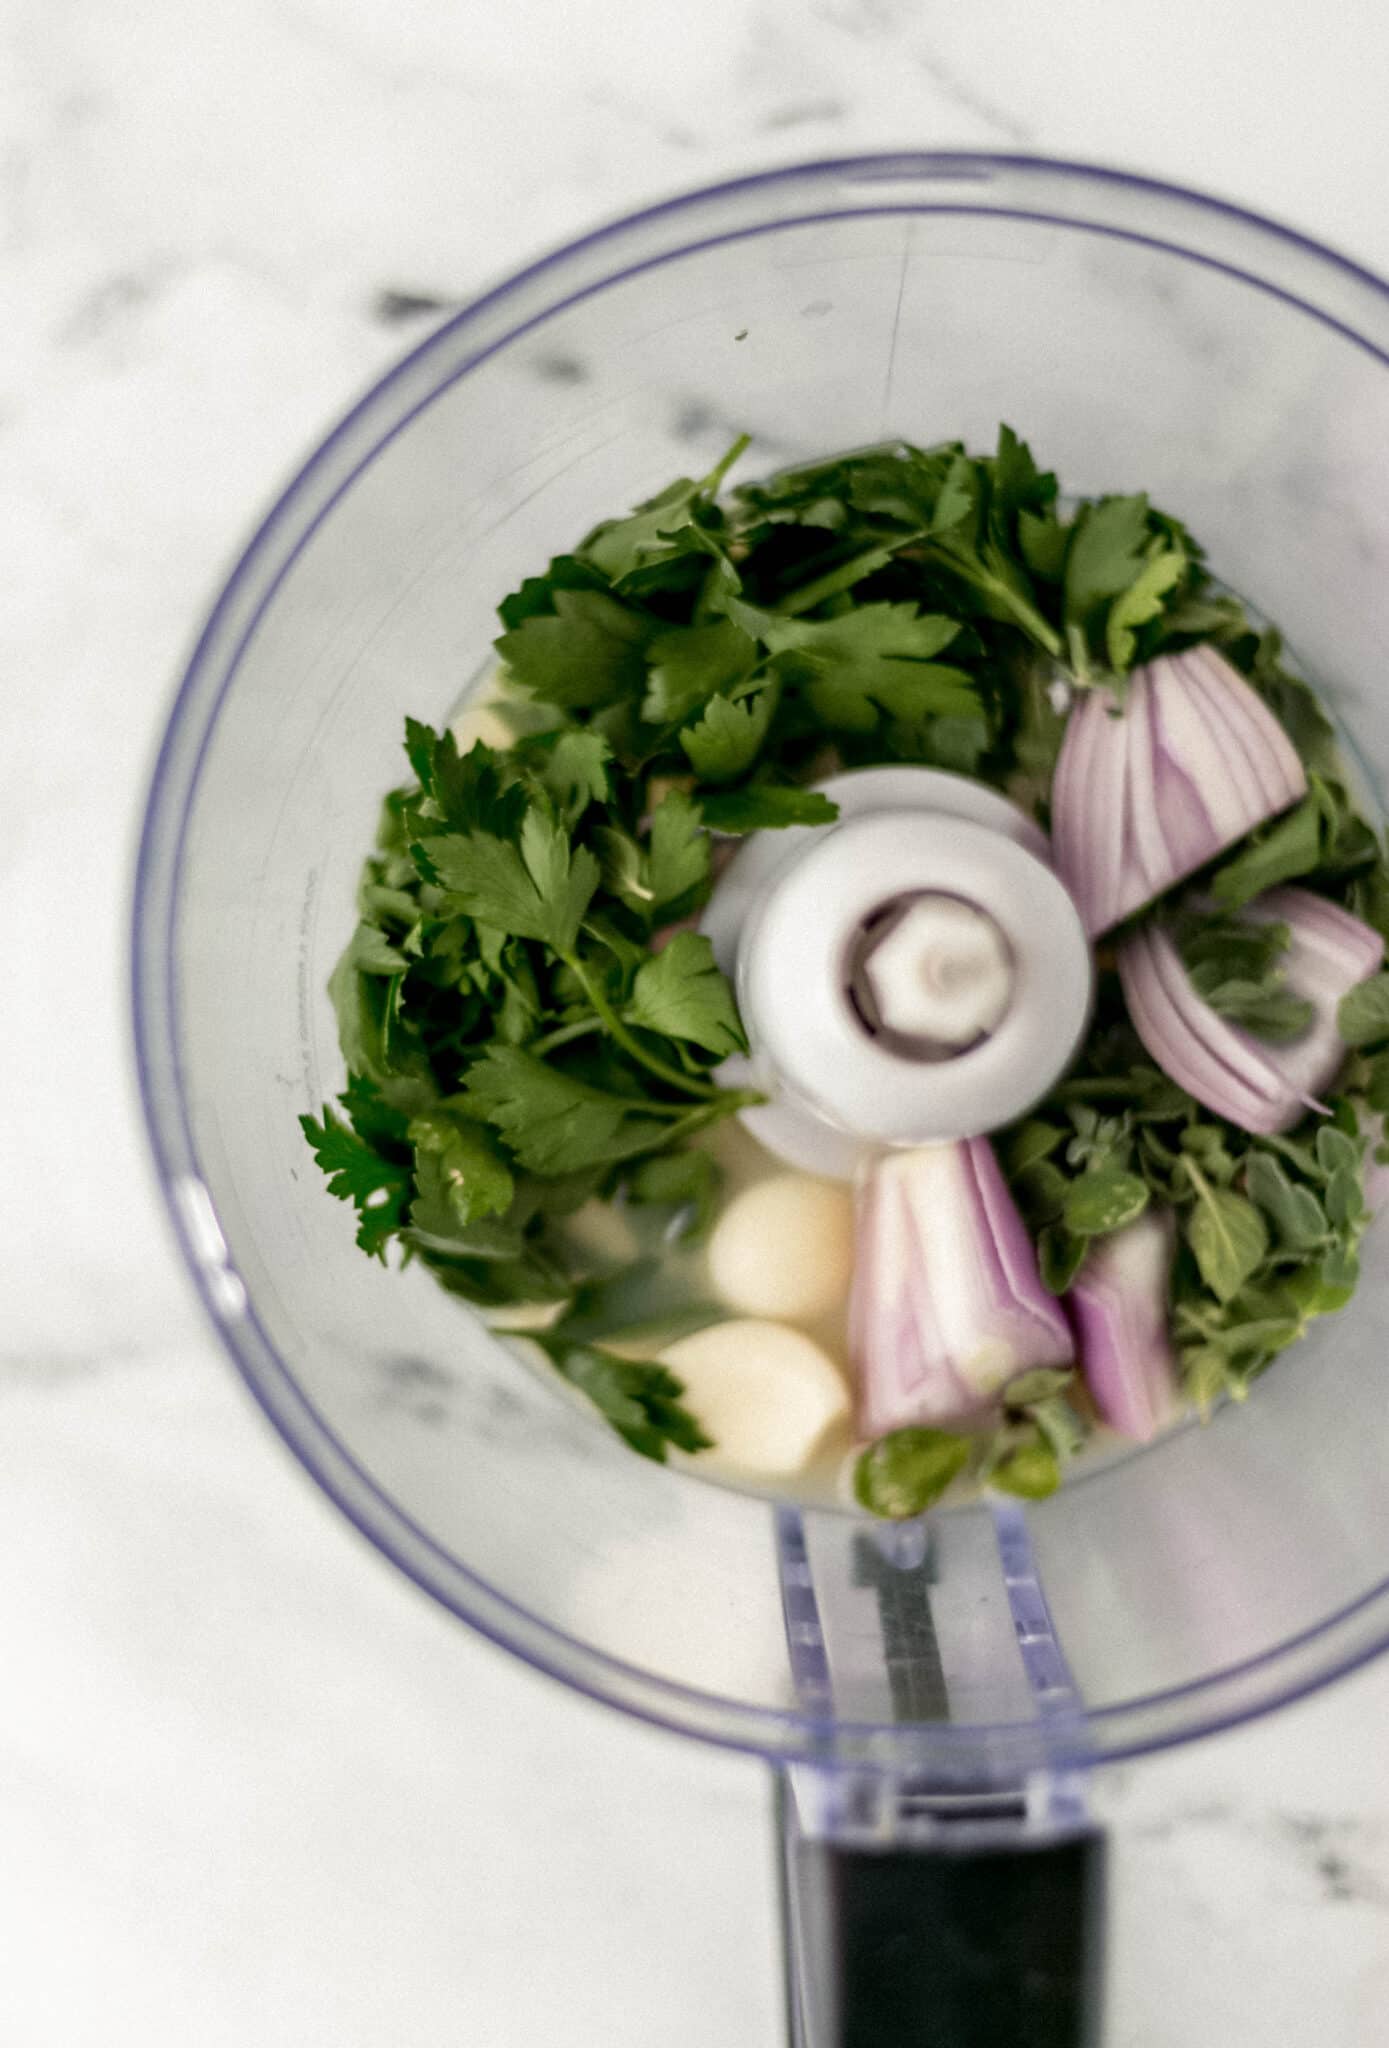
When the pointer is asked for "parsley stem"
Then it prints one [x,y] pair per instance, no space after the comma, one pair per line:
[728,1100]
[1026,615]
[629,1041]
[844,577]
[564,1035]
[708,486]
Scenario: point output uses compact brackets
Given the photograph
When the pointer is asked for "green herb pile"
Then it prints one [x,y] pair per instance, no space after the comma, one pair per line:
[514,1043]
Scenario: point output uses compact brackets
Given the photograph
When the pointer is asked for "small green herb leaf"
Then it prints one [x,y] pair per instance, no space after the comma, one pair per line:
[574,771]
[766,807]
[1142,601]
[681,993]
[460,1174]
[1290,848]
[360,1171]
[1031,1470]
[725,742]
[904,1473]
[1106,555]
[691,664]
[554,1123]
[1228,1236]
[537,891]
[1060,1256]
[1103,1200]
[589,651]
[1362,1016]
[1296,1214]
[642,1401]
[871,661]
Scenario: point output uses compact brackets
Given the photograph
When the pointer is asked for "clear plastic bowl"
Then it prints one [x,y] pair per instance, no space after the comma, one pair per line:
[1141,338]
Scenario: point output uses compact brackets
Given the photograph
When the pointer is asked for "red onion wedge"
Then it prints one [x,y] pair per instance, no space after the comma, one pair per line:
[946,1304]
[1260,1087]
[1149,789]
[1118,1306]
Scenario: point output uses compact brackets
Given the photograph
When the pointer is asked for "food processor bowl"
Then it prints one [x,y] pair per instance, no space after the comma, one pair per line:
[960,1674]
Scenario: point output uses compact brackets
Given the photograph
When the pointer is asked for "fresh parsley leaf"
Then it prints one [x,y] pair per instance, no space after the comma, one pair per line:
[1142,601]
[539,890]
[1018,485]
[380,1122]
[1042,542]
[1279,853]
[459,1172]
[766,807]
[660,879]
[970,539]
[677,861]
[554,1123]
[656,530]
[870,661]
[362,1172]
[573,770]
[725,742]
[472,792]
[536,596]
[642,1401]
[691,664]
[681,993]
[1106,555]
[590,650]
[375,1040]
[373,953]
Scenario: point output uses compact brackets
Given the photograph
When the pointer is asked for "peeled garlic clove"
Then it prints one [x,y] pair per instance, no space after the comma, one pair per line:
[765,1394]
[784,1248]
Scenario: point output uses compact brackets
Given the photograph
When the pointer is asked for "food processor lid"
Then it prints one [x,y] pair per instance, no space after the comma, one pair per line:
[912,973]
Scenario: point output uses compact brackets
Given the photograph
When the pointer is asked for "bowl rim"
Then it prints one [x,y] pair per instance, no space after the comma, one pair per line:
[943,181]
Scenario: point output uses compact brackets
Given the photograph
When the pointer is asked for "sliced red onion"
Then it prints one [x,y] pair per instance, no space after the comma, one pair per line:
[1260,1087]
[1148,790]
[946,1304]
[1118,1306]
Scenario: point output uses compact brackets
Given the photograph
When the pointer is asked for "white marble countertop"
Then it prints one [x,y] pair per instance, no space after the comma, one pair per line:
[253,1788]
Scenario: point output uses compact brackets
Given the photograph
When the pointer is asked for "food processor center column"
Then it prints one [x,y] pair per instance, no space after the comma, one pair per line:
[913,973]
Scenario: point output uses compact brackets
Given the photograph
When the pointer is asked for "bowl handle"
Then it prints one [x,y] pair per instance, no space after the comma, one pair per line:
[979,1932]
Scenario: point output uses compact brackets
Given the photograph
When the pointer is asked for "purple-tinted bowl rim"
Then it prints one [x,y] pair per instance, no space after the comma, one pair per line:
[763,1731]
